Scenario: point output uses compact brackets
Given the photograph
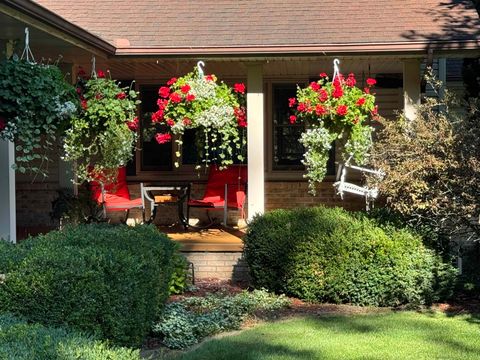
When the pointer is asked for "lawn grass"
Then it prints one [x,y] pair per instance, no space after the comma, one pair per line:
[401,335]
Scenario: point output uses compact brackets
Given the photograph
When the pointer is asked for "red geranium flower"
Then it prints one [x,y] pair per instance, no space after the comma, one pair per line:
[170,122]
[210,78]
[371,82]
[164,91]
[186,121]
[351,80]
[338,92]
[314,85]
[175,97]
[342,110]
[239,88]
[84,104]
[292,102]
[293,119]
[360,102]
[163,138]
[323,95]
[133,125]
[100,74]
[162,103]
[366,90]
[121,95]
[323,75]
[301,107]
[157,116]
[190,97]
[81,72]
[185,88]
[320,110]
[375,110]
[241,116]
[172,81]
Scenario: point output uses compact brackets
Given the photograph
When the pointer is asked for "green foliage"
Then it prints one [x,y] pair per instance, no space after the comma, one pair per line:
[103,279]
[330,255]
[216,110]
[432,165]
[22,341]
[179,280]
[188,321]
[36,105]
[333,110]
[102,138]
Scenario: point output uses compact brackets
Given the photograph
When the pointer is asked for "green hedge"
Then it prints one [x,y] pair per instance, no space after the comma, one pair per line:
[22,341]
[331,255]
[108,280]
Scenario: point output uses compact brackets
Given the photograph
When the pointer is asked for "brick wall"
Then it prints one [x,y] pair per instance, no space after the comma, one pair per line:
[219,265]
[34,203]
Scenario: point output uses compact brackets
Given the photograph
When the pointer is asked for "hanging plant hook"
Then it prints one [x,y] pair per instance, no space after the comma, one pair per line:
[94,71]
[200,66]
[27,53]
[336,69]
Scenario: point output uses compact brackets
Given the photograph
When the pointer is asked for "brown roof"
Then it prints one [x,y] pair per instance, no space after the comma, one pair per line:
[248,26]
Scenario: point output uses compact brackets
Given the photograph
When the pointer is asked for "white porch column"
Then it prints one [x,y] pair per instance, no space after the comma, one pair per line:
[8,222]
[255,138]
[411,86]
[8,216]
[442,75]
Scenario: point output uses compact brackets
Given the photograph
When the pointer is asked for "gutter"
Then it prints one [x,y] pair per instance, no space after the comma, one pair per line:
[410,47]
[47,17]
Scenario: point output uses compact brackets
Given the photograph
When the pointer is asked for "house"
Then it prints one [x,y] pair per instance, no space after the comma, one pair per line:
[271,45]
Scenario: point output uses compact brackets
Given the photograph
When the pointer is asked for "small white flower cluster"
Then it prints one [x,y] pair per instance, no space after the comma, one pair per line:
[9,132]
[65,110]
[217,116]
[202,89]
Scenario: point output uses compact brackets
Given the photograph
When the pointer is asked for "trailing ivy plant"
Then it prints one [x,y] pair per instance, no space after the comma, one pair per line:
[102,137]
[36,104]
[333,110]
[199,102]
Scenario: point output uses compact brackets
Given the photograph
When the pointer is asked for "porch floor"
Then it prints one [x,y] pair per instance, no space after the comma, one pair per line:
[213,239]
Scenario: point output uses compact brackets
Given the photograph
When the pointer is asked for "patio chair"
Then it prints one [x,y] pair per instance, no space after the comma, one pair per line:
[115,197]
[230,184]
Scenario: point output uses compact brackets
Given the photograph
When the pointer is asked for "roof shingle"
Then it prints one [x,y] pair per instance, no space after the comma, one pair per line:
[246,23]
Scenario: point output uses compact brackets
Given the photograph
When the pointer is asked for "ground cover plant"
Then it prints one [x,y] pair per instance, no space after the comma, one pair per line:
[106,280]
[403,335]
[20,340]
[331,255]
[186,322]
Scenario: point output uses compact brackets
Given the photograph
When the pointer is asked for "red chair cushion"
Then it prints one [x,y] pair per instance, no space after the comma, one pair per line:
[117,196]
[235,176]
[117,203]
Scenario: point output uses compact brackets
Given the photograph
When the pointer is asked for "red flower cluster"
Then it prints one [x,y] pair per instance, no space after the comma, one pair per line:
[133,125]
[292,102]
[360,102]
[100,74]
[172,81]
[241,116]
[239,88]
[323,95]
[175,97]
[164,91]
[371,82]
[163,138]
[185,88]
[315,86]
[351,80]
[320,110]
[186,121]
[190,97]
[293,119]
[342,110]
[210,77]
[121,95]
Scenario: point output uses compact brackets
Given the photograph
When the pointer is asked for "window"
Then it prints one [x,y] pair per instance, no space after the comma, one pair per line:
[153,155]
[287,150]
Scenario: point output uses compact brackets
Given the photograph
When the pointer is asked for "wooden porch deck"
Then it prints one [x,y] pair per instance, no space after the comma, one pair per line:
[213,239]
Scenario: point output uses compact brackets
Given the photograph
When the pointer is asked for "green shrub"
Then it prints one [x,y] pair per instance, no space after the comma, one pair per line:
[179,280]
[103,279]
[322,254]
[188,321]
[22,341]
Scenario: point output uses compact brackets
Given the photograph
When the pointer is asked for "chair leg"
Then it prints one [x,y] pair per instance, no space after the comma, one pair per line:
[127,212]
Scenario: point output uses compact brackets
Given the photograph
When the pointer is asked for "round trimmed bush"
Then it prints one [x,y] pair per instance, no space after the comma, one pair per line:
[107,280]
[331,255]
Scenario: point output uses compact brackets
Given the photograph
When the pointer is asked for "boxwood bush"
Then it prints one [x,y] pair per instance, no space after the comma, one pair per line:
[331,255]
[20,340]
[108,280]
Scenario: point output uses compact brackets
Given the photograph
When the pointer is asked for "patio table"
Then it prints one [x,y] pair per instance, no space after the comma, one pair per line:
[176,194]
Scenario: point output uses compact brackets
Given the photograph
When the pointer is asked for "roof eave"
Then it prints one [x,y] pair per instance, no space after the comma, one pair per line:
[406,48]
[45,16]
